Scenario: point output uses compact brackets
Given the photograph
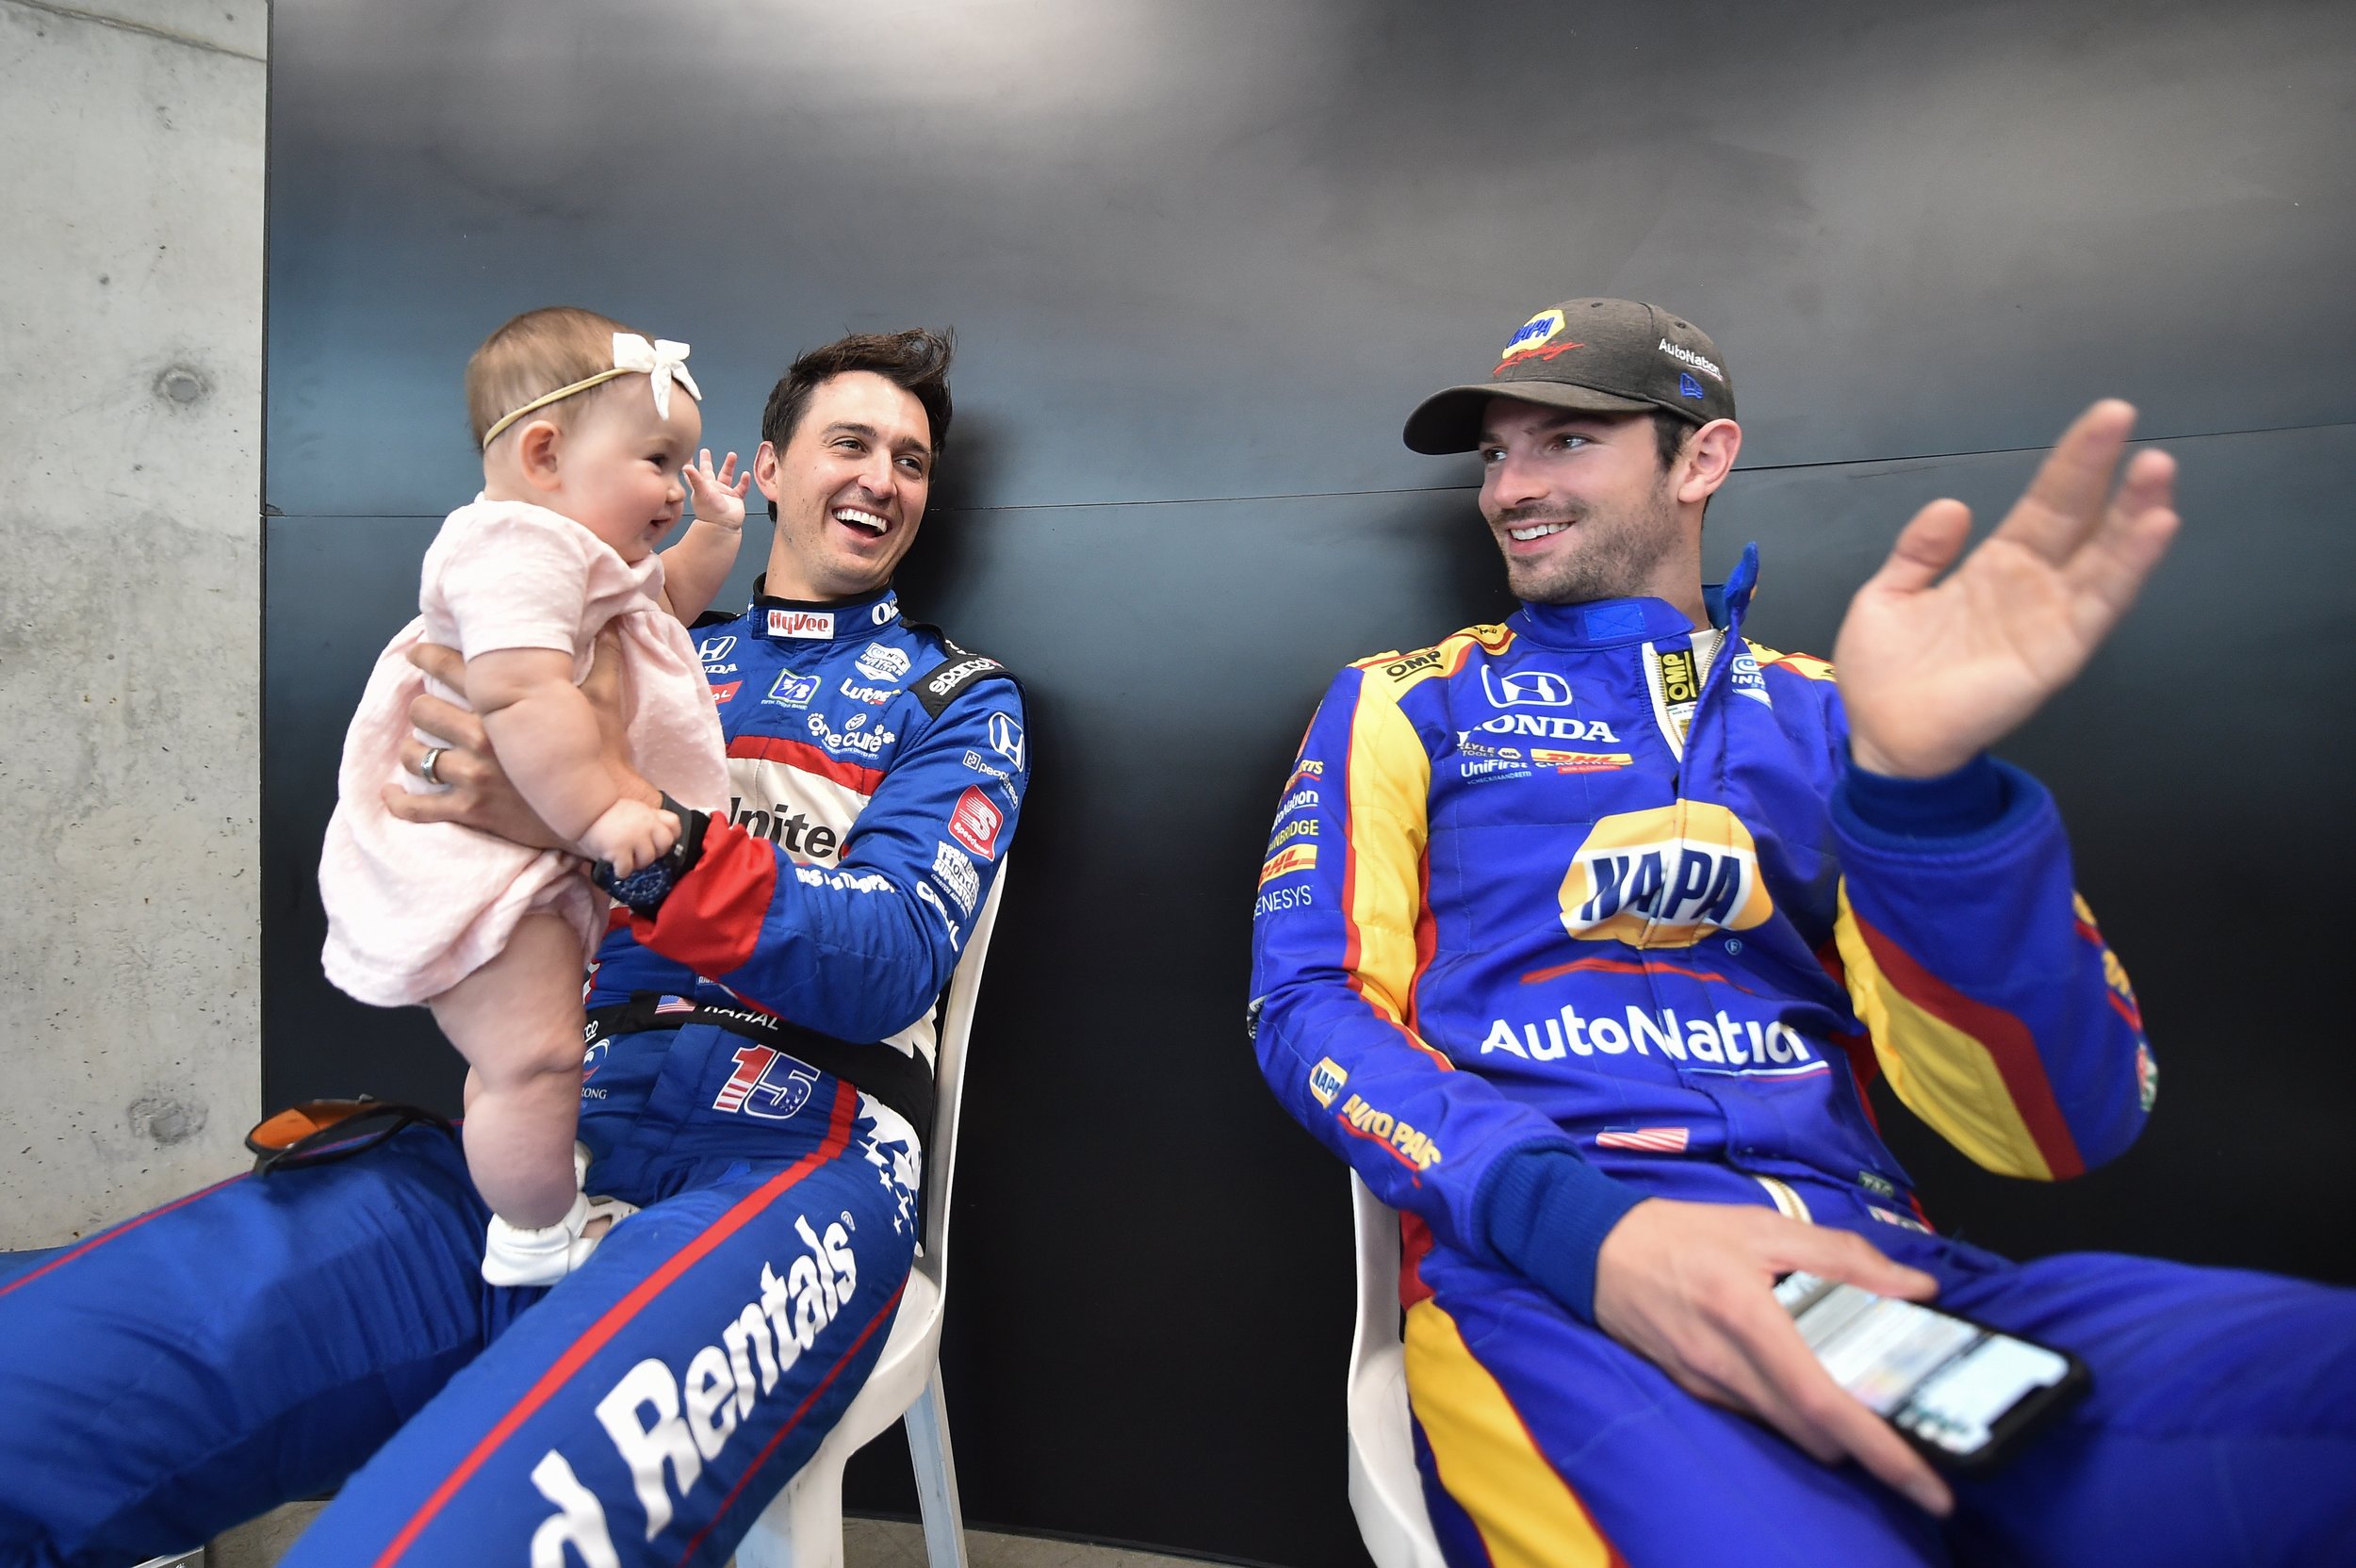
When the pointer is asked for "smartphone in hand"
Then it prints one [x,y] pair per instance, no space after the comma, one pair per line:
[1966,1397]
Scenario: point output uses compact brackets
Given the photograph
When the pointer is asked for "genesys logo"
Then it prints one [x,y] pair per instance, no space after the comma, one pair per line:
[1525,688]
[1664,877]
[1277,901]
[812,625]
[975,823]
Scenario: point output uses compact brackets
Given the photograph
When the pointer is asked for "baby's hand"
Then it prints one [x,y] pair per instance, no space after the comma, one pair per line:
[719,497]
[629,835]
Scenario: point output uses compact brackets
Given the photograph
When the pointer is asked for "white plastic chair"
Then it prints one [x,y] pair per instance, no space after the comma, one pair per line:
[1386,1491]
[803,1526]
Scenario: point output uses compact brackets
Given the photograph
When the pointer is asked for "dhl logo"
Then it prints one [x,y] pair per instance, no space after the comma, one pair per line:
[1580,761]
[1664,877]
[1298,858]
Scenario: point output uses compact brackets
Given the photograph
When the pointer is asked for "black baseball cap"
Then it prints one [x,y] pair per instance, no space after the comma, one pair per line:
[1603,356]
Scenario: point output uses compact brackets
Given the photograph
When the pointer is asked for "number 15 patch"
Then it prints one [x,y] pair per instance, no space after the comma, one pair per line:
[974,823]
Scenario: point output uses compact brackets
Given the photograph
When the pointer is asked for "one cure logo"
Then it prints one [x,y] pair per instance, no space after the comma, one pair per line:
[1664,877]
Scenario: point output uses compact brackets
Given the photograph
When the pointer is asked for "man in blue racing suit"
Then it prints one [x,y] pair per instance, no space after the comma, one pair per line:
[1578,938]
[758,1081]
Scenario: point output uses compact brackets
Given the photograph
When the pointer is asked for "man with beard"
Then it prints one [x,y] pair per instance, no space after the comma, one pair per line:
[759,1088]
[1580,936]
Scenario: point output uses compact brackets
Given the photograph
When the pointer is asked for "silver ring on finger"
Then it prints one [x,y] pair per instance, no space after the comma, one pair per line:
[433,761]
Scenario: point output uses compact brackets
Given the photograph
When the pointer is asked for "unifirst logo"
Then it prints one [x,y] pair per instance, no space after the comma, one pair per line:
[661,1421]
[1664,877]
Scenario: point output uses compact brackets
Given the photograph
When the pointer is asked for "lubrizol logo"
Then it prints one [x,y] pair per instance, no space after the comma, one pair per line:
[1688,356]
[1666,877]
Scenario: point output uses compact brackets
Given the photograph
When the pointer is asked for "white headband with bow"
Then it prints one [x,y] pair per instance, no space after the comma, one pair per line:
[662,362]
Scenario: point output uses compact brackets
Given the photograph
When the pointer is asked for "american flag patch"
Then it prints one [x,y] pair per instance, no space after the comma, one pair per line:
[674,1005]
[1653,1140]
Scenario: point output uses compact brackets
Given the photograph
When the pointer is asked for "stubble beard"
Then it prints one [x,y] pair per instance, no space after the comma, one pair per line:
[1619,552]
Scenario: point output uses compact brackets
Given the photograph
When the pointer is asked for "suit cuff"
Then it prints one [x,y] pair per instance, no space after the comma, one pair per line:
[1952,806]
[1545,1211]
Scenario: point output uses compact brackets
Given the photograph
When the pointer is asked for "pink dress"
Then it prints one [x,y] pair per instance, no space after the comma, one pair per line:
[415,908]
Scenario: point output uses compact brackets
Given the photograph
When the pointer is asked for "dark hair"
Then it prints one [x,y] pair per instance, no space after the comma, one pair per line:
[916,360]
[1669,432]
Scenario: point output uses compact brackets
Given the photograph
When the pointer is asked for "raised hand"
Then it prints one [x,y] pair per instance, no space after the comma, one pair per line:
[1933,672]
[719,496]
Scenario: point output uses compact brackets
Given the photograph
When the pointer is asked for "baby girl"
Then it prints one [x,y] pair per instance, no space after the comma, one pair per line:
[586,462]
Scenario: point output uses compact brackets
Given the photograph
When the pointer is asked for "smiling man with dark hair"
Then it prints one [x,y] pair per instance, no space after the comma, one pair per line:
[757,1084]
[1580,935]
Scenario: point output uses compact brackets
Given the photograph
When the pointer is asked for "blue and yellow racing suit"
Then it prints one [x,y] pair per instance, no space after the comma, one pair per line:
[1590,906]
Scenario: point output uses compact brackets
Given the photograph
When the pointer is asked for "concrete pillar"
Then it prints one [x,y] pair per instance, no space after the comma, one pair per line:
[130,603]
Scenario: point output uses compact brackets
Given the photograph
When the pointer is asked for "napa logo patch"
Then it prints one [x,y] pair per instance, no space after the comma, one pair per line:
[1326,1080]
[1536,337]
[1666,877]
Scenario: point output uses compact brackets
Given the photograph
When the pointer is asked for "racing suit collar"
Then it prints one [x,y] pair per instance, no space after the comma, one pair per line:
[1617,622]
[821,621]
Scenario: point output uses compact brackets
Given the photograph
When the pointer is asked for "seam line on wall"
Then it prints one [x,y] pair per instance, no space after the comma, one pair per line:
[73,13]
[1455,489]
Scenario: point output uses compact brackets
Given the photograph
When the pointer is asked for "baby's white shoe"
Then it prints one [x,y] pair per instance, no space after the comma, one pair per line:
[513,1255]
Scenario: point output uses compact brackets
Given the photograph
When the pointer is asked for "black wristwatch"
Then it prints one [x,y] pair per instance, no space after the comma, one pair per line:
[642,891]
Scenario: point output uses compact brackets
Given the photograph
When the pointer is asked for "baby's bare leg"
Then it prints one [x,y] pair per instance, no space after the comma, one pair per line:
[517,1021]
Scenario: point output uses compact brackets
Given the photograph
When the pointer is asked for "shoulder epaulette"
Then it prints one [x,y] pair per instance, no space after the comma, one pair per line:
[937,687]
[1443,658]
[1803,664]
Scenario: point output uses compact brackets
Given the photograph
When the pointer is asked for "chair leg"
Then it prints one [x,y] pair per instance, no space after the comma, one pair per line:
[802,1527]
[936,1475]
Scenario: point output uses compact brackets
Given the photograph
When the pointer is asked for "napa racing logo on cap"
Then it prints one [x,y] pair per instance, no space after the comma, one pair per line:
[1536,337]
[1666,877]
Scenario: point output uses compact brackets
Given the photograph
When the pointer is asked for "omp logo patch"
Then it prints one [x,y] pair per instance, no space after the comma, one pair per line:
[1664,877]
[1678,682]
[1327,1079]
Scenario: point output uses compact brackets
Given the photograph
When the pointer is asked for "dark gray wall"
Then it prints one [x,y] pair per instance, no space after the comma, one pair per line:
[1201,257]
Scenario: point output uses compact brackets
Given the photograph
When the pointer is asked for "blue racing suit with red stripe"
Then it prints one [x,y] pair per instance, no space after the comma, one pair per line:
[275,1337]
[1589,907]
